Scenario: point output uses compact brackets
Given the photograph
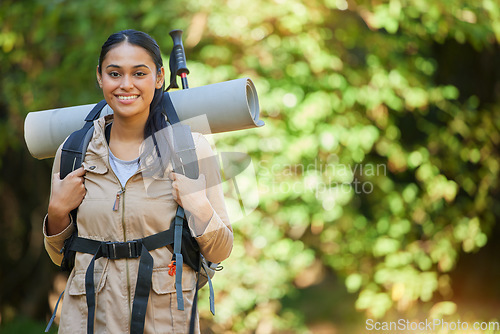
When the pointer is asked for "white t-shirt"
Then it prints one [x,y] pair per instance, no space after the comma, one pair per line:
[123,169]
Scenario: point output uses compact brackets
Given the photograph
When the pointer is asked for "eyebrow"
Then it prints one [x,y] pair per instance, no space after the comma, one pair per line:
[136,66]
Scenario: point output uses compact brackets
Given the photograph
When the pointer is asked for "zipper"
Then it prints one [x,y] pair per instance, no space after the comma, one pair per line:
[122,194]
[120,197]
[116,206]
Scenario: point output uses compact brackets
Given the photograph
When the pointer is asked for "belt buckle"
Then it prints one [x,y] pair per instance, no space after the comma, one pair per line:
[111,250]
[115,250]
[133,249]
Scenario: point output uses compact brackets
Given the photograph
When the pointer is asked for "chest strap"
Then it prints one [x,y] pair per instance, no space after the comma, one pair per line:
[138,248]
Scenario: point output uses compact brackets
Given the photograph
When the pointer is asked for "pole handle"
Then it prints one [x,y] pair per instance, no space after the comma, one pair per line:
[178,52]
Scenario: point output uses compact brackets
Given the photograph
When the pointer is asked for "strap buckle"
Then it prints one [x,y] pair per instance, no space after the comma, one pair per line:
[122,250]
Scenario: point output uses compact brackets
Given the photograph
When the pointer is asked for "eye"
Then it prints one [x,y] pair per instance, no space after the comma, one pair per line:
[140,74]
[114,74]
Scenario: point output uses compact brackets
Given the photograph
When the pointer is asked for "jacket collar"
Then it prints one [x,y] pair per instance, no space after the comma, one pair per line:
[98,149]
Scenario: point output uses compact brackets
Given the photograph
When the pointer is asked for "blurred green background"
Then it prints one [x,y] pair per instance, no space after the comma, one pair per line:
[377,169]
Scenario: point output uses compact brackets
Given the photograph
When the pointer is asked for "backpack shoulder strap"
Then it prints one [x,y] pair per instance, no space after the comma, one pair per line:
[183,141]
[187,164]
[73,150]
[186,152]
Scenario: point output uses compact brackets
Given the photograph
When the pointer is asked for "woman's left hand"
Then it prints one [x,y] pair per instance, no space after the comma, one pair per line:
[191,194]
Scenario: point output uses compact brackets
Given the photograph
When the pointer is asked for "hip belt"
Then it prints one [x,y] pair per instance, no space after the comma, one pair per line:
[140,248]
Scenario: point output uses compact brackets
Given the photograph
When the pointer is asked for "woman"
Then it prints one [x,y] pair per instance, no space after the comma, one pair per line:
[118,201]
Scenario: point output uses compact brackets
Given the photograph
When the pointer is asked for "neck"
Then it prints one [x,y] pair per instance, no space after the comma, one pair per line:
[126,138]
[126,130]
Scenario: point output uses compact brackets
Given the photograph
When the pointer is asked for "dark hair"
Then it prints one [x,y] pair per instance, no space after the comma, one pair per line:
[156,120]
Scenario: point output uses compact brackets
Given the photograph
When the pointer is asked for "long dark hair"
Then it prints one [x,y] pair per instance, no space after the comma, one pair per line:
[156,120]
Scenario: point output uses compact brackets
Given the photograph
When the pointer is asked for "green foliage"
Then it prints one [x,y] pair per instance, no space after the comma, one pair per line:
[23,326]
[379,159]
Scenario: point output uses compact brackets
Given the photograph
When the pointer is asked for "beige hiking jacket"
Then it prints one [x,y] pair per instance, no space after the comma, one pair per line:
[143,207]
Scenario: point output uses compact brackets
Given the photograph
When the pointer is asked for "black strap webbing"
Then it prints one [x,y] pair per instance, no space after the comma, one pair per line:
[183,142]
[90,291]
[179,261]
[142,288]
[119,250]
[186,152]
[169,109]
[74,148]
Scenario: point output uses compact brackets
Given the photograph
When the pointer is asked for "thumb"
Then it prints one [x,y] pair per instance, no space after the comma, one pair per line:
[78,172]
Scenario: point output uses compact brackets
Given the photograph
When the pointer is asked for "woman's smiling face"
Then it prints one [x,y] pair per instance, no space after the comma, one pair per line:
[128,80]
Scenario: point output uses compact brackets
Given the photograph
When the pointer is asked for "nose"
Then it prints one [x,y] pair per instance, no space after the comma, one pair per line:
[126,83]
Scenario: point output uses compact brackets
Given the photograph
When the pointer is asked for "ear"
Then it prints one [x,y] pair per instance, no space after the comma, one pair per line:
[160,78]
[99,77]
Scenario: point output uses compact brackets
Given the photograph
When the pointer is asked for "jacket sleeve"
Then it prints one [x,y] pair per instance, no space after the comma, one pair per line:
[216,238]
[54,243]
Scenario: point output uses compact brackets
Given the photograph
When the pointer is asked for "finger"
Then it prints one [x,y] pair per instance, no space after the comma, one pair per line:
[56,176]
[78,172]
[172,176]
[176,197]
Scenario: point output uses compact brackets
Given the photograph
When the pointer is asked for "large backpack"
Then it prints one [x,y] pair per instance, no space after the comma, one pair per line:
[178,236]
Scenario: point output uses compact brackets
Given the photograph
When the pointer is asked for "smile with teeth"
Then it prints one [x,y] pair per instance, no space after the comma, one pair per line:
[131,97]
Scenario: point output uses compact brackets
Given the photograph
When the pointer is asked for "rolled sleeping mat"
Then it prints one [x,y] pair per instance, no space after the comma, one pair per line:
[221,107]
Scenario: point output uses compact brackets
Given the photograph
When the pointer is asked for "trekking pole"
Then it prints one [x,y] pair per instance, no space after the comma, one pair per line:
[178,67]
[177,62]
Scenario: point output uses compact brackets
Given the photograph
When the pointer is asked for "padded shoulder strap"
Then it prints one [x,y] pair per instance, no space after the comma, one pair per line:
[169,109]
[183,142]
[73,151]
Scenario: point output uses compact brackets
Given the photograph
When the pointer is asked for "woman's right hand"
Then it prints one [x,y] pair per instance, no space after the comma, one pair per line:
[66,194]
